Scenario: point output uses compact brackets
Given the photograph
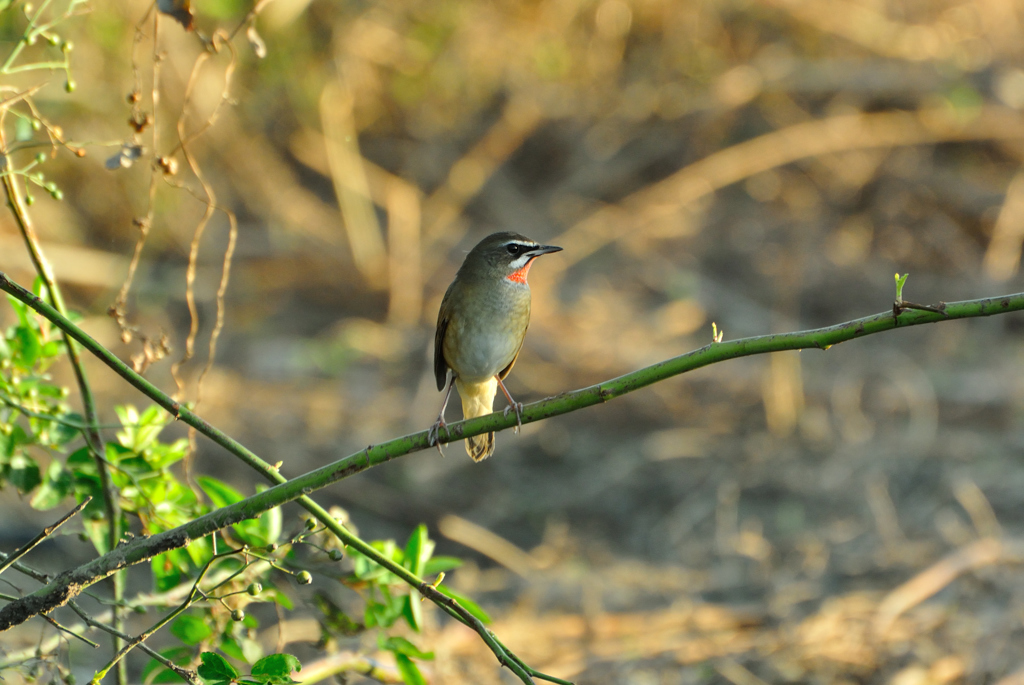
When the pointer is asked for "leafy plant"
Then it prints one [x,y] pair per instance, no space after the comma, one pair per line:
[44,454]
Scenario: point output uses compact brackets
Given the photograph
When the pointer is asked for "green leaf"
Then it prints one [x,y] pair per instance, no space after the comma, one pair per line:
[412,610]
[410,673]
[96,529]
[418,550]
[200,551]
[6,447]
[56,487]
[221,494]
[39,289]
[114,453]
[368,570]
[384,613]
[19,307]
[27,343]
[399,645]
[230,646]
[900,281]
[63,433]
[216,667]
[252,532]
[81,463]
[24,473]
[276,668]
[268,525]
[437,565]
[52,349]
[161,455]
[251,649]
[151,423]
[467,604]
[190,629]
[279,598]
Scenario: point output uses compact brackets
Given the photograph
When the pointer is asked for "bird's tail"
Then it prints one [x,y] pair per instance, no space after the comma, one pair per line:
[478,400]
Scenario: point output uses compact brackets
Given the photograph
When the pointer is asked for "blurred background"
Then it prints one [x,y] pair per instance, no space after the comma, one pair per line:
[853,515]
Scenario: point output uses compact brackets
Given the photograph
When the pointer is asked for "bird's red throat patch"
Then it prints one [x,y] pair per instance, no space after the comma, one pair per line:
[519,276]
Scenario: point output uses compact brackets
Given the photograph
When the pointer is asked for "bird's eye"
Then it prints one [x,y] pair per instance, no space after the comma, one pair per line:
[515,248]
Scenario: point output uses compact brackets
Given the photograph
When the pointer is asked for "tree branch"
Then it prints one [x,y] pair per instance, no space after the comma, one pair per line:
[68,584]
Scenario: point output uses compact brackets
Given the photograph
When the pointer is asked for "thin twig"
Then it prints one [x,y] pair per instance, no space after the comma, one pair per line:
[139,639]
[53,622]
[187,674]
[45,533]
[162,599]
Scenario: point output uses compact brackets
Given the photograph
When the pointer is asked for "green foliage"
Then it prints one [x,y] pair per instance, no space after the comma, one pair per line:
[33,411]
[275,669]
[216,669]
[900,281]
[36,424]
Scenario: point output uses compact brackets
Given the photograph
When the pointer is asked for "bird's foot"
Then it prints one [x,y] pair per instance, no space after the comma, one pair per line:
[433,437]
[518,408]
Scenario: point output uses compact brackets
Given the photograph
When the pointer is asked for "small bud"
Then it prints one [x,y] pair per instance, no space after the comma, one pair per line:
[254,589]
[336,555]
[237,615]
[304,578]
[30,199]
[67,46]
[272,547]
[40,158]
[70,86]
[53,39]
[36,125]
[50,186]
[310,523]
[139,609]
[169,165]
[57,194]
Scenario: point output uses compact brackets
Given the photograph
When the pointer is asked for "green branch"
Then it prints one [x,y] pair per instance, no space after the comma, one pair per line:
[68,584]
[16,203]
[61,589]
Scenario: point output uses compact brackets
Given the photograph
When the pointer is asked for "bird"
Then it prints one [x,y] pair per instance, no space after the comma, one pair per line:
[480,329]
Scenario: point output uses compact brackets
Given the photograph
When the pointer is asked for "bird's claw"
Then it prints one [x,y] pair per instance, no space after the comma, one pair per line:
[518,408]
[433,437]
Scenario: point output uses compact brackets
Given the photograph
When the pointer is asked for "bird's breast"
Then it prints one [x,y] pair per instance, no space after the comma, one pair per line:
[486,331]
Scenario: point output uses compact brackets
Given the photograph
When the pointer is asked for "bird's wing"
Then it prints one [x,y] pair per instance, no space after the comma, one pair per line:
[440,363]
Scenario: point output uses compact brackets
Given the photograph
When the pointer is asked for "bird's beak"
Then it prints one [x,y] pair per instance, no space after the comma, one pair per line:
[543,249]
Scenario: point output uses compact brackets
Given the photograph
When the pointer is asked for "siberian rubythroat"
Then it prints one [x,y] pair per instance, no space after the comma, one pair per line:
[480,328]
